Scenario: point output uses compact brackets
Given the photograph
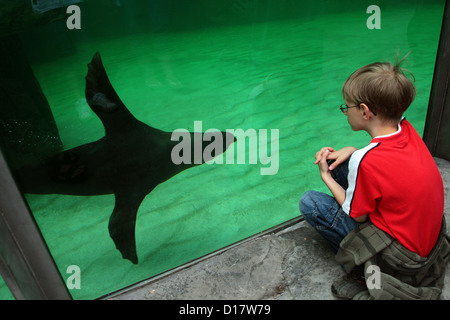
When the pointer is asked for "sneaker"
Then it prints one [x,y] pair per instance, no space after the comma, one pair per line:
[349,285]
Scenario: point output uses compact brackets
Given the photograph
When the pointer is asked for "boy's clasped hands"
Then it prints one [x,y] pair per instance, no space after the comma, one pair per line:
[327,153]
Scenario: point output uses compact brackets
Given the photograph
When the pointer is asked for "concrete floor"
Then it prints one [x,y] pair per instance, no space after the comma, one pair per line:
[291,262]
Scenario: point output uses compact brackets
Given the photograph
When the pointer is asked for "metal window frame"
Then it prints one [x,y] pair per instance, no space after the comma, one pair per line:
[26,264]
[437,129]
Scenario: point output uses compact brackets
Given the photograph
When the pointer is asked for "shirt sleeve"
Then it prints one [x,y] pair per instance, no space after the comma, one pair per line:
[362,191]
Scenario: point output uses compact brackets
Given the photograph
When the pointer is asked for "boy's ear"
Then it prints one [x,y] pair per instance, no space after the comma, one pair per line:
[366,111]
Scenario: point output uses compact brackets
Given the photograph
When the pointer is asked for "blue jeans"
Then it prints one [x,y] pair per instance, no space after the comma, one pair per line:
[325,214]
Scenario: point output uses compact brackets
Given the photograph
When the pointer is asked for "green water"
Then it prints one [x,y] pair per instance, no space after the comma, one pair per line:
[283,74]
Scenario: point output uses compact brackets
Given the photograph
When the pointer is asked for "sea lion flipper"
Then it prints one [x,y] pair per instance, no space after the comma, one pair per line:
[99,90]
[122,223]
[103,99]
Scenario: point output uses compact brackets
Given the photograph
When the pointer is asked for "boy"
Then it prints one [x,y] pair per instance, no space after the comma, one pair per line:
[393,182]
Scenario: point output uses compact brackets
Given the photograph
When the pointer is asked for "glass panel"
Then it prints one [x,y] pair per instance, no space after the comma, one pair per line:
[5,294]
[274,69]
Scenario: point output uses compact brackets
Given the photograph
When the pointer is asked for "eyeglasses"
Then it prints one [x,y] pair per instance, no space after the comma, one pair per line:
[344,108]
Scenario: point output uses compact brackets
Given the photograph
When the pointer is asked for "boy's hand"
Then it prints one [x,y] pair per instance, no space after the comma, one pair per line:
[340,156]
[321,153]
[322,158]
[323,164]
[328,153]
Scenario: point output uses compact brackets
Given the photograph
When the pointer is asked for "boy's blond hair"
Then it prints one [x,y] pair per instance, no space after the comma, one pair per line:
[383,87]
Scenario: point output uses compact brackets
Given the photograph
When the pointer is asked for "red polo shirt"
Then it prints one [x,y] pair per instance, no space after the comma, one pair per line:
[396,181]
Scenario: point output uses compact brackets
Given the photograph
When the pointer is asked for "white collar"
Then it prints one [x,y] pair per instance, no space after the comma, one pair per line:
[390,134]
